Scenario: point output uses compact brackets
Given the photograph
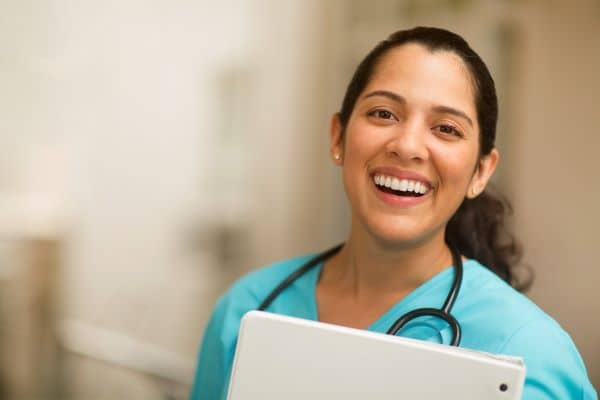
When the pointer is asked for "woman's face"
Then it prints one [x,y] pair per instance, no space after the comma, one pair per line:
[410,152]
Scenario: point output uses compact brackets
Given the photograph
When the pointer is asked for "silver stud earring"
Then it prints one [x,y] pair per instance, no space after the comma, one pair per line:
[337,157]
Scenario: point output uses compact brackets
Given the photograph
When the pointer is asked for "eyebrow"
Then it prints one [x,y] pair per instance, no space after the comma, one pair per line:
[439,109]
[453,111]
[390,95]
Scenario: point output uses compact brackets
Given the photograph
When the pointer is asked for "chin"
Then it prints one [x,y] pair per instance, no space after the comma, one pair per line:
[398,233]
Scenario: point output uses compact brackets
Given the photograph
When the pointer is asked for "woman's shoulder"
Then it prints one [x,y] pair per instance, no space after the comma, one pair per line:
[248,292]
[254,286]
[506,311]
[521,328]
[487,291]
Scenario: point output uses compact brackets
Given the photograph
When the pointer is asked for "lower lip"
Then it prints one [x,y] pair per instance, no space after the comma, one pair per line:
[399,201]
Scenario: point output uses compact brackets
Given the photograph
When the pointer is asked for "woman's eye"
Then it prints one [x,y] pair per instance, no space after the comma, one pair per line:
[448,130]
[382,114]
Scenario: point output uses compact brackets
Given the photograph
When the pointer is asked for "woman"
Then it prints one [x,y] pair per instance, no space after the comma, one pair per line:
[415,141]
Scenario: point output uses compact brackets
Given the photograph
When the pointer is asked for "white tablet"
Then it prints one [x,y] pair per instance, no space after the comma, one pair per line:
[280,357]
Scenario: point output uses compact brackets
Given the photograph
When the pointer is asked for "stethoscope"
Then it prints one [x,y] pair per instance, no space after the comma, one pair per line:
[442,313]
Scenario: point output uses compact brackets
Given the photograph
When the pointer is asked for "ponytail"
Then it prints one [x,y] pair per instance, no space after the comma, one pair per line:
[478,230]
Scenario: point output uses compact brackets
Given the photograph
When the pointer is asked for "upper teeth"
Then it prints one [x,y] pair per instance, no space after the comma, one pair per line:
[403,185]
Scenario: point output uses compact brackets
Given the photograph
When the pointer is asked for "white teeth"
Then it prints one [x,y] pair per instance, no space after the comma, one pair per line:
[403,185]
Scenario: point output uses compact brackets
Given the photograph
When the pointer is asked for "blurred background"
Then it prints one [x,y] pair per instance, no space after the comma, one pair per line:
[151,152]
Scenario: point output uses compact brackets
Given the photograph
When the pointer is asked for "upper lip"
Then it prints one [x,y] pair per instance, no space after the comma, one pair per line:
[401,174]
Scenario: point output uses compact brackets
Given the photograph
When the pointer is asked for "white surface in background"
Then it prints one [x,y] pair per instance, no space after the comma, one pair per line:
[32,216]
[125,351]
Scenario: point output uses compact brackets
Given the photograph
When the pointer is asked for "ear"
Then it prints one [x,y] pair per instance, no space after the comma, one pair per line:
[483,173]
[336,140]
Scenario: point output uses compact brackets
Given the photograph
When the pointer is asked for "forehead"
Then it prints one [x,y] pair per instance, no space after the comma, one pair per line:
[423,76]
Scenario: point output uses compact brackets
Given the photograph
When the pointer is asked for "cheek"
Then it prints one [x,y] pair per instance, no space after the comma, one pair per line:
[455,166]
[360,148]
[361,143]
[356,155]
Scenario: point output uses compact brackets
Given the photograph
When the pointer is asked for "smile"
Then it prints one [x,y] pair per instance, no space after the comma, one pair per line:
[401,187]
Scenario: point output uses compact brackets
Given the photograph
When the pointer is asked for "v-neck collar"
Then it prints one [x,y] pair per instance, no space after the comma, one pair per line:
[383,323]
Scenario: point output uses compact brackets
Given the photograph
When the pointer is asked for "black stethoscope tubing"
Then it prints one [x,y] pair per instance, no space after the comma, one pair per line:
[442,313]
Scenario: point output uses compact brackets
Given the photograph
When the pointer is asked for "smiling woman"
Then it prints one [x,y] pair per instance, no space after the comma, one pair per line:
[413,123]
[415,141]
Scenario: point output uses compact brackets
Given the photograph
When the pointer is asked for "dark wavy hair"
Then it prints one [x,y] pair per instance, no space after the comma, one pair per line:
[477,228]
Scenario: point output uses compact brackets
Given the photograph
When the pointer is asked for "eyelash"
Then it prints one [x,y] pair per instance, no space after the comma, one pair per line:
[453,130]
[377,114]
[390,116]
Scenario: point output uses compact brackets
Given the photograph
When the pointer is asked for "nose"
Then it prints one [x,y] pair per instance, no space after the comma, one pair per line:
[409,141]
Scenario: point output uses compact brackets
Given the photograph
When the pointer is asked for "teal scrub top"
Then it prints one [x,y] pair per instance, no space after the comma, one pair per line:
[494,318]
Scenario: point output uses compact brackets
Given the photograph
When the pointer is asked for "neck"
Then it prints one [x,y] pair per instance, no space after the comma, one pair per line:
[369,267]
